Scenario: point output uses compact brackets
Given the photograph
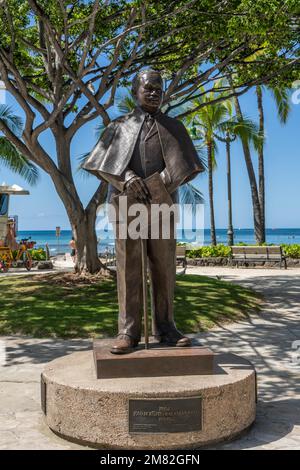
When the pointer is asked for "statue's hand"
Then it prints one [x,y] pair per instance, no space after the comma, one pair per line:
[138,187]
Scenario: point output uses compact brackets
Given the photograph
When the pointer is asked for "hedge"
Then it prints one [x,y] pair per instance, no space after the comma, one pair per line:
[224,251]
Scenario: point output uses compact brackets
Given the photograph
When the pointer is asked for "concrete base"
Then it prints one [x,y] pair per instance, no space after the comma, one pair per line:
[95,412]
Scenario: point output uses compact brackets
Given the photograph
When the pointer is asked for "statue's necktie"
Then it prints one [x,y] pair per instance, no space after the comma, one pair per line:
[149,121]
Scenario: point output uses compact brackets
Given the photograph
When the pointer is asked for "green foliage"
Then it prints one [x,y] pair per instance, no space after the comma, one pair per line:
[20,23]
[17,163]
[283,102]
[209,251]
[263,27]
[10,157]
[293,251]
[38,254]
[13,122]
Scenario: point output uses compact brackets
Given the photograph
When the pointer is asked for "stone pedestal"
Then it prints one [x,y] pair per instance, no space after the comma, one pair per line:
[149,412]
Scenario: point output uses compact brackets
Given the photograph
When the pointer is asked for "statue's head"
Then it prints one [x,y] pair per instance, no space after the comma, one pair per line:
[147,89]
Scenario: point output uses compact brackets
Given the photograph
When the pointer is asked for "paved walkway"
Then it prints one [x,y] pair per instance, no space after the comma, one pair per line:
[265,340]
[61,263]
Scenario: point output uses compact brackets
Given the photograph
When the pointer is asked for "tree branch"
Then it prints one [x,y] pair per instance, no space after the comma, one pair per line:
[89,38]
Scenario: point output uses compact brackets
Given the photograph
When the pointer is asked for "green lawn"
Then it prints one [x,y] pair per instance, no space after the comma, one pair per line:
[34,305]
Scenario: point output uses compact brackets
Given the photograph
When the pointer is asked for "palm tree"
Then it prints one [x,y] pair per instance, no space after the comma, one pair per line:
[259,236]
[9,155]
[258,189]
[281,98]
[235,129]
[232,130]
[204,124]
[215,123]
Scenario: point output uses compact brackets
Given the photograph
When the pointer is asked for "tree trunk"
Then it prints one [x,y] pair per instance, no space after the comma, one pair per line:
[83,221]
[83,224]
[259,236]
[87,259]
[211,194]
[261,165]
[230,232]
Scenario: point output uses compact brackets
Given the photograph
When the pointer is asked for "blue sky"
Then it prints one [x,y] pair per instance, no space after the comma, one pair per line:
[43,210]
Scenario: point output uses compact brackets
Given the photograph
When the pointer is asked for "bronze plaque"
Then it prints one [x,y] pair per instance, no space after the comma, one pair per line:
[165,415]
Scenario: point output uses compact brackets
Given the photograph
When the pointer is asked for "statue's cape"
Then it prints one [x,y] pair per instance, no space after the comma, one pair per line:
[113,151]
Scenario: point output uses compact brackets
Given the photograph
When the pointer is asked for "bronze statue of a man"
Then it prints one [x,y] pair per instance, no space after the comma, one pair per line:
[132,148]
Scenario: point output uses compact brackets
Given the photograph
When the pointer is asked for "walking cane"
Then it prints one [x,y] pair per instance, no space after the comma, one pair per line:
[145,289]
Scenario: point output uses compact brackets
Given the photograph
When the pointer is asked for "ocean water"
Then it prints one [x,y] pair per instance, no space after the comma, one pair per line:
[106,239]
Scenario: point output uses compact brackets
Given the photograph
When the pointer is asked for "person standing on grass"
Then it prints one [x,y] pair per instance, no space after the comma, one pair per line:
[72,245]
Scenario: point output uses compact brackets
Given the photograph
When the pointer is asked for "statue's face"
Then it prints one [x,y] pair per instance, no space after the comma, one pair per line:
[149,94]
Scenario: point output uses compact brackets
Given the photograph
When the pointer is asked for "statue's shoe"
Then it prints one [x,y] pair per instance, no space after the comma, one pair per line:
[175,338]
[124,344]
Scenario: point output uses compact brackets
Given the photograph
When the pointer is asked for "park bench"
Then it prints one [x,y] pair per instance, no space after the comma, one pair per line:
[181,256]
[244,254]
[180,259]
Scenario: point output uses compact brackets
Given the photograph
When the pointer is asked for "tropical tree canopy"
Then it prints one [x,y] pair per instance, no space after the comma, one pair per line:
[63,62]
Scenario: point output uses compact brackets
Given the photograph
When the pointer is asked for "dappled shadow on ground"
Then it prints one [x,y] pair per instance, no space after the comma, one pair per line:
[266,340]
[281,291]
[34,351]
[277,325]
[274,427]
[202,302]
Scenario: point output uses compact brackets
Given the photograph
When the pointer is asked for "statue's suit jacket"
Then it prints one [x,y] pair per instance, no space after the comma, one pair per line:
[111,155]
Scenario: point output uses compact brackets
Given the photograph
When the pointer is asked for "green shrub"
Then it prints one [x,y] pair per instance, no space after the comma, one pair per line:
[293,251]
[210,252]
[38,254]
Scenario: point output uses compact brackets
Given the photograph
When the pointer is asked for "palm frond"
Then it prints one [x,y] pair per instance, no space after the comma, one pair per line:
[13,122]
[99,130]
[189,194]
[249,130]
[82,158]
[244,129]
[214,152]
[79,170]
[282,100]
[16,162]
[126,104]
[229,106]
[201,150]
